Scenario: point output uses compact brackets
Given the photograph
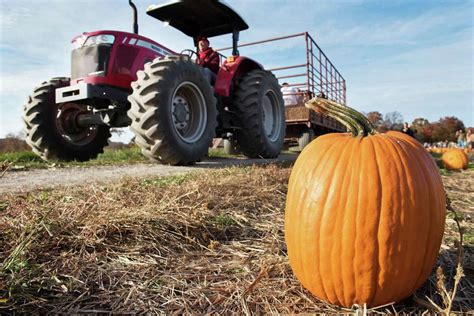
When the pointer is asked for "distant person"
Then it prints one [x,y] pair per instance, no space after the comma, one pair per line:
[208,59]
[307,96]
[461,137]
[408,130]
[469,139]
[322,95]
[299,96]
[290,94]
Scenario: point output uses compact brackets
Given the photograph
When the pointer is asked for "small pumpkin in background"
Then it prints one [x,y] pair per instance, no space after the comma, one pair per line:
[364,214]
[455,159]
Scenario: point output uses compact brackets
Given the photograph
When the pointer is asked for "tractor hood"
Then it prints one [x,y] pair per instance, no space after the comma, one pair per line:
[199,17]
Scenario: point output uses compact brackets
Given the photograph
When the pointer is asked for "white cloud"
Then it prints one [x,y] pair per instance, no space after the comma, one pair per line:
[444,68]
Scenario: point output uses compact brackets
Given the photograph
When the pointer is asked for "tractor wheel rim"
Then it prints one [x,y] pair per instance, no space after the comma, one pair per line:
[188,112]
[271,116]
[67,128]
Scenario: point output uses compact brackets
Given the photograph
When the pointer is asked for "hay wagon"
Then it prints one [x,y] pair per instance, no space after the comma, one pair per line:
[315,74]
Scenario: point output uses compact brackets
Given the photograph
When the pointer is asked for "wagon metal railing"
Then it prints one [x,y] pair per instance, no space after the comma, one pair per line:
[319,73]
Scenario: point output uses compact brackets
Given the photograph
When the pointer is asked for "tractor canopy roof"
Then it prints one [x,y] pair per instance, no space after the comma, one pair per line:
[199,17]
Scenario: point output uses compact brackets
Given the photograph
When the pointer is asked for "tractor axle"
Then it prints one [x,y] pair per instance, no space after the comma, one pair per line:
[110,117]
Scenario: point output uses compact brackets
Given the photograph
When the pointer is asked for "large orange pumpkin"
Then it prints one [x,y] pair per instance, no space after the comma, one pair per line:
[455,159]
[364,213]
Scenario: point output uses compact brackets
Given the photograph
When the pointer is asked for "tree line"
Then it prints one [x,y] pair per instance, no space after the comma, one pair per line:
[425,131]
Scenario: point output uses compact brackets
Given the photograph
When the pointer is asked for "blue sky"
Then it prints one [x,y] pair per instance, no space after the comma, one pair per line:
[415,57]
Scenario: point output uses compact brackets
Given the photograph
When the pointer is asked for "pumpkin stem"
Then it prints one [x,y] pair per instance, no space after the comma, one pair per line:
[354,121]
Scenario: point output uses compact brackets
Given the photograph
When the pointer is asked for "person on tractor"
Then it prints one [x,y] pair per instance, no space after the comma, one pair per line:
[208,59]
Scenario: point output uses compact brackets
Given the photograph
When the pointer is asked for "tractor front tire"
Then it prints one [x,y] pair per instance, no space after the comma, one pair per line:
[49,126]
[173,111]
[259,115]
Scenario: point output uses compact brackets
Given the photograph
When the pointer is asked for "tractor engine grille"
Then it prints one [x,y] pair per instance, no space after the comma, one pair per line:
[89,59]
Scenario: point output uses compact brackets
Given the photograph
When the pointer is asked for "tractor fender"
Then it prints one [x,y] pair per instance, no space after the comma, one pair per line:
[231,70]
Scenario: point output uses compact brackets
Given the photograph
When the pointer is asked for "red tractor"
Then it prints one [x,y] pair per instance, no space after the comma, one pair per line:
[121,79]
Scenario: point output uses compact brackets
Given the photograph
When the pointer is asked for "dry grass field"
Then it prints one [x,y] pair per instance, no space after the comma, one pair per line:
[205,242]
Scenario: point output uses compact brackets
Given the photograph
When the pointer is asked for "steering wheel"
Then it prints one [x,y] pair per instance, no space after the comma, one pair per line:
[188,52]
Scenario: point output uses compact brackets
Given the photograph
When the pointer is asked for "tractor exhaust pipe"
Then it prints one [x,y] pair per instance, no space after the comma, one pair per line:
[135,17]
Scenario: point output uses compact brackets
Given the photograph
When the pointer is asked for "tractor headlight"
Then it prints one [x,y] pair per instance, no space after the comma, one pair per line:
[99,39]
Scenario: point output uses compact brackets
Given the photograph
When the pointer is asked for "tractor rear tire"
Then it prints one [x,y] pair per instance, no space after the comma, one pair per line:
[49,131]
[173,111]
[259,115]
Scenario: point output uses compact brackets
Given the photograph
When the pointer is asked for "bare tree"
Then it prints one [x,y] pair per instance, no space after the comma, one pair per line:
[394,120]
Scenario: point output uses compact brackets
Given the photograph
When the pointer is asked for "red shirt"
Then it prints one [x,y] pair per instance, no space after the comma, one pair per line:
[209,59]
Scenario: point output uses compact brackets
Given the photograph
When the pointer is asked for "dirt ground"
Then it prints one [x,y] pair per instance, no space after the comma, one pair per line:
[205,242]
[22,181]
